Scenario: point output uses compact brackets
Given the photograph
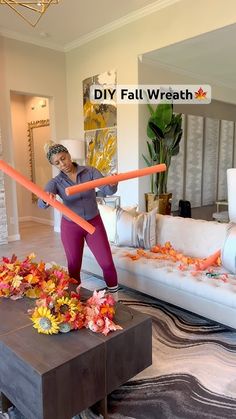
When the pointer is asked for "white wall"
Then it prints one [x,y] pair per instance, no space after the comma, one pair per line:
[3,128]
[120,49]
[25,109]
[20,152]
[35,71]
[35,112]
[92,59]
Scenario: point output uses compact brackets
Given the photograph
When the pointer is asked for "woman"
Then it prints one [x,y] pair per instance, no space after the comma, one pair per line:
[85,205]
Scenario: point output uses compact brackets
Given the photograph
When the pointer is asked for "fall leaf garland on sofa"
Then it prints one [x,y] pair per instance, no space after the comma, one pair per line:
[196,265]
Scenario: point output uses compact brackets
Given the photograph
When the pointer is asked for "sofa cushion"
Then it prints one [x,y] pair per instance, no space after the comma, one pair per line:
[229,249]
[136,229]
[198,238]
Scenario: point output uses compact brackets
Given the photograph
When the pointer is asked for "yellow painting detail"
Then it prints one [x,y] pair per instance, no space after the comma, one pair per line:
[102,150]
[93,119]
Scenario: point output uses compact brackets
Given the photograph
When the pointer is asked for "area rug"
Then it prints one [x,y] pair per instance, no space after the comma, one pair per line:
[193,369]
[192,375]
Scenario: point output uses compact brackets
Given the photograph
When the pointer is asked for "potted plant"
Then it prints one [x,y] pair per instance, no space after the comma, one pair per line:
[164,128]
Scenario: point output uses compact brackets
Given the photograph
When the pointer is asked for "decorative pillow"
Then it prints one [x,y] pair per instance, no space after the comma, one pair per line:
[228,253]
[132,209]
[108,215]
[136,230]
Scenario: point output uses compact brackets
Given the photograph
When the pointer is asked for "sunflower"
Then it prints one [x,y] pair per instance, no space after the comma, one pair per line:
[66,305]
[44,321]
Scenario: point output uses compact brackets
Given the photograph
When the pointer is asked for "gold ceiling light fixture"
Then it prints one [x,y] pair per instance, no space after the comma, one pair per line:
[30,10]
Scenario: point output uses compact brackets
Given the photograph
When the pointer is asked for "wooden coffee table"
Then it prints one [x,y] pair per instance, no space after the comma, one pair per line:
[58,376]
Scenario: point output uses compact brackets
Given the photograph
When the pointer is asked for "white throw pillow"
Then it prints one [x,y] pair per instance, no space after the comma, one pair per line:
[132,209]
[136,230]
[108,215]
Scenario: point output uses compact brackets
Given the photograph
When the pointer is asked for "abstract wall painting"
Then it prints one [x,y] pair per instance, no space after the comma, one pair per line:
[99,115]
[101,150]
[100,121]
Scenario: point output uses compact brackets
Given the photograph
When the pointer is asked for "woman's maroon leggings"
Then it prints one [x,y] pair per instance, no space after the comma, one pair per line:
[73,237]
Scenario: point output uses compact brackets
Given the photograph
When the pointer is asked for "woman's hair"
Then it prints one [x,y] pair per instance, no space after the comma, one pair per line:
[52,148]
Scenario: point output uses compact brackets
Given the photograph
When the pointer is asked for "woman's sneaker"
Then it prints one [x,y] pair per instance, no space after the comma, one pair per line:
[113,291]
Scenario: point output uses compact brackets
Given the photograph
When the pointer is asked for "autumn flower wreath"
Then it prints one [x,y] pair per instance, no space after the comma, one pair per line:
[57,309]
[62,314]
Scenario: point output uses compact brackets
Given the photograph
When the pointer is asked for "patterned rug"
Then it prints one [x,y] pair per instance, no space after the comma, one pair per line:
[193,369]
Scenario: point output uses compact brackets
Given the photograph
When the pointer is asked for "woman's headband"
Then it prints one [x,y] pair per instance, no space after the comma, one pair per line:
[54,149]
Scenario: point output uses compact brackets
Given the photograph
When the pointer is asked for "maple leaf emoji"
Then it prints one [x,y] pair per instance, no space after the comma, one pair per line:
[200,94]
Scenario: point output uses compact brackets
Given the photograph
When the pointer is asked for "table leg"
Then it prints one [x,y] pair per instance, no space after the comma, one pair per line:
[100,408]
[6,403]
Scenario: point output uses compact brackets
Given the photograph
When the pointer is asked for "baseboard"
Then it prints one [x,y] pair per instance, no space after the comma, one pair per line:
[14,237]
[43,221]
[22,219]
[37,220]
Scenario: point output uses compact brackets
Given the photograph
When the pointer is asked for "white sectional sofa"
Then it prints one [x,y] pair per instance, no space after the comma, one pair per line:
[210,297]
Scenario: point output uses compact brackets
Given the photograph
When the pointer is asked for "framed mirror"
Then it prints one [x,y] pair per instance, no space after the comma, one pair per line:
[38,136]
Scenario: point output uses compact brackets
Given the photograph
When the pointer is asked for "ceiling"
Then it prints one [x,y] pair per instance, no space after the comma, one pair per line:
[71,22]
[209,58]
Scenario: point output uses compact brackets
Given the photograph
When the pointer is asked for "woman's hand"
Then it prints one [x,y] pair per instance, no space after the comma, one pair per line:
[51,195]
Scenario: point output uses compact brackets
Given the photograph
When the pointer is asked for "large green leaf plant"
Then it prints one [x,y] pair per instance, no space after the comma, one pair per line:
[164,128]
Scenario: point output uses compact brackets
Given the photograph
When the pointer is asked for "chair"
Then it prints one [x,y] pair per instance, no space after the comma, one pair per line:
[221,216]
